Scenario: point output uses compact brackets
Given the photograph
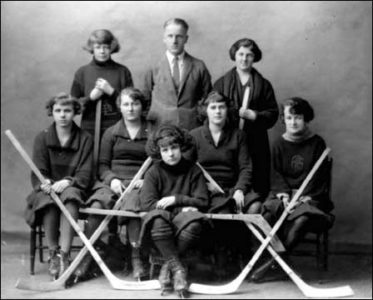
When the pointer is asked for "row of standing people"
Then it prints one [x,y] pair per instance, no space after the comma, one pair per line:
[62,151]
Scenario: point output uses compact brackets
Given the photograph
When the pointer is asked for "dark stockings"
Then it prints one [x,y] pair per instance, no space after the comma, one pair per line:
[54,222]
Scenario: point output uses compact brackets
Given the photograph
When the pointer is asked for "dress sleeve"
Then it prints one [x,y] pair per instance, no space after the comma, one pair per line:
[106,156]
[244,165]
[318,185]
[199,193]
[267,116]
[278,181]
[77,89]
[150,190]
[146,87]
[41,159]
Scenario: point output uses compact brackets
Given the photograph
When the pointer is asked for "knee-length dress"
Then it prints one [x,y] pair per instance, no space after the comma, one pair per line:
[186,182]
[292,161]
[228,163]
[262,100]
[72,161]
[120,158]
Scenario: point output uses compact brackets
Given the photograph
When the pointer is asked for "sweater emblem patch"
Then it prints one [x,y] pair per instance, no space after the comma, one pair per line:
[297,163]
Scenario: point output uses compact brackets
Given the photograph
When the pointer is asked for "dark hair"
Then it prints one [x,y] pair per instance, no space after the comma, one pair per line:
[63,99]
[247,43]
[177,21]
[134,94]
[102,36]
[298,106]
[214,97]
[166,135]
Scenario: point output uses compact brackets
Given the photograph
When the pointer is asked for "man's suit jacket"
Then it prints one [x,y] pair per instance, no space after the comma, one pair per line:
[176,107]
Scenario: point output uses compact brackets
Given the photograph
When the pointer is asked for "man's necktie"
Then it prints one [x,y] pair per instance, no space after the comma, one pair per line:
[176,72]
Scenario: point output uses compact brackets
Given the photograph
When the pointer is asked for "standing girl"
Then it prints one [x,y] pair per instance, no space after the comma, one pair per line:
[261,111]
[101,80]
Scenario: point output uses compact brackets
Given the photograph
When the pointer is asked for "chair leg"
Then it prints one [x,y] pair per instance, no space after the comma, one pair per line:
[318,251]
[32,250]
[325,241]
[40,243]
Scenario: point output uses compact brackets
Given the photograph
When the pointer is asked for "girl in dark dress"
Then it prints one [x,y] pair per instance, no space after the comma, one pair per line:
[175,195]
[261,113]
[294,154]
[121,156]
[222,151]
[63,154]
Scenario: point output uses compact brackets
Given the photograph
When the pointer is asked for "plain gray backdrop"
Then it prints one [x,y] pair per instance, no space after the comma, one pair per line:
[321,51]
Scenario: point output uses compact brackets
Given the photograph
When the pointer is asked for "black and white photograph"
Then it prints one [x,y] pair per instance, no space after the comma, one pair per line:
[186,149]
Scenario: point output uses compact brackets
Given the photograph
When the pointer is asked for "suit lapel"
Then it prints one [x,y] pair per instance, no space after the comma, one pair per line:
[188,63]
[165,72]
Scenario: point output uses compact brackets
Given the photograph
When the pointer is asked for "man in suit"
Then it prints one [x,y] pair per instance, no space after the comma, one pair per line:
[177,82]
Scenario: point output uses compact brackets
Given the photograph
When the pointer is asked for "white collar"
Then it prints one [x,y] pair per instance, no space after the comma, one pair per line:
[170,57]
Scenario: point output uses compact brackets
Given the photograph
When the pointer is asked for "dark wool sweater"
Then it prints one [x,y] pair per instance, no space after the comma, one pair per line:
[120,156]
[72,161]
[184,180]
[229,162]
[293,161]
[85,78]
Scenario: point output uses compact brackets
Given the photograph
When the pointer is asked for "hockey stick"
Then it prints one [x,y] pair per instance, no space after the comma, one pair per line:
[61,281]
[114,281]
[245,101]
[234,285]
[307,290]
[96,145]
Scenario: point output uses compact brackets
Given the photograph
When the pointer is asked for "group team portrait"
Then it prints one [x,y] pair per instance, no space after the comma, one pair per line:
[186,149]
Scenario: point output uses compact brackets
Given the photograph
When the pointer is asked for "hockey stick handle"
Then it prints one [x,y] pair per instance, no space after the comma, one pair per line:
[96,145]
[245,102]
[209,178]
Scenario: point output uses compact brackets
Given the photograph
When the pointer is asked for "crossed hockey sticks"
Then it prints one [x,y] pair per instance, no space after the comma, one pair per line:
[198,288]
[307,290]
[114,281]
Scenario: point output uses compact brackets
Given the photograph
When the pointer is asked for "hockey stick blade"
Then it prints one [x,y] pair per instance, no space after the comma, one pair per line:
[307,290]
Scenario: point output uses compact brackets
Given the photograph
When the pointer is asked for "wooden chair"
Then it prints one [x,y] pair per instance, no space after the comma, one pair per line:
[319,239]
[36,244]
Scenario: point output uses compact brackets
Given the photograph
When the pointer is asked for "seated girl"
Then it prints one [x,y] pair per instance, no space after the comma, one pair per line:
[222,151]
[175,193]
[122,154]
[63,154]
[294,154]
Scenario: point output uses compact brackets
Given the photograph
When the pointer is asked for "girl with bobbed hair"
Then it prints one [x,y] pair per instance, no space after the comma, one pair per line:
[293,156]
[223,152]
[63,154]
[121,156]
[63,99]
[101,80]
[175,194]
[261,112]
[102,36]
